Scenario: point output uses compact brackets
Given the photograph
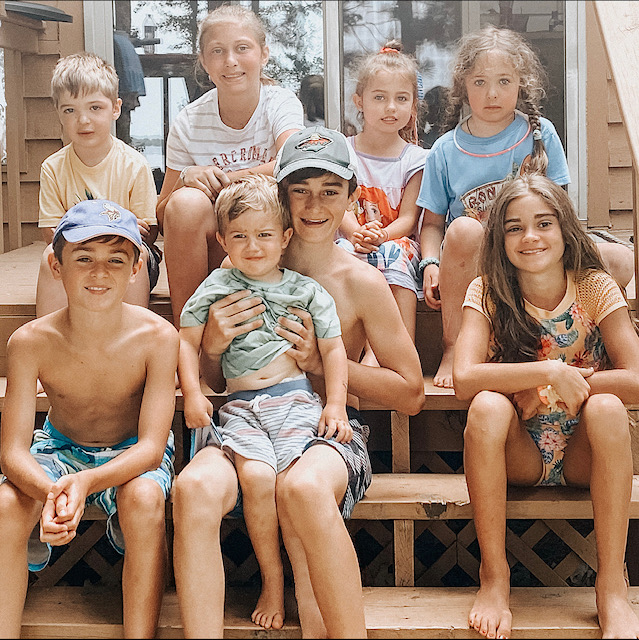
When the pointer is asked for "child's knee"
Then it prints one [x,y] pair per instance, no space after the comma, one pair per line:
[489,416]
[258,478]
[18,512]
[618,260]
[464,236]
[297,490]
[606,419]
[189,209]
[142,500]
[199,499]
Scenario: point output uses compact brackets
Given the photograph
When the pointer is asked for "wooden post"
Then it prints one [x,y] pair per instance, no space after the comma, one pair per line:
[404,552]
[400,442]
[15,138]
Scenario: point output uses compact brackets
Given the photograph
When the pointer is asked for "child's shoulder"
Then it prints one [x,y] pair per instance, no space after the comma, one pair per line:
[443,144]
[141,318]
[277,92]
[127,150]
[359,277]
[593,283]
[36,334]
[57,157]
[205,103]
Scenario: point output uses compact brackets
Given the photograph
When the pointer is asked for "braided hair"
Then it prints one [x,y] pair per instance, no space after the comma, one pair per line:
[532,79]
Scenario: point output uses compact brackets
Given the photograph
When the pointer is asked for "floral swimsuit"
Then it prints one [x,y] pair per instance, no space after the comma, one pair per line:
[570,332]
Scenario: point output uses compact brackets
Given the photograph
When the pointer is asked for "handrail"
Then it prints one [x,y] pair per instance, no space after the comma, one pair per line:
[619,27]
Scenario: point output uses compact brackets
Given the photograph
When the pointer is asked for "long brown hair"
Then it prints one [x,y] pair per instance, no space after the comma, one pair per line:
[516,333]
[532,78]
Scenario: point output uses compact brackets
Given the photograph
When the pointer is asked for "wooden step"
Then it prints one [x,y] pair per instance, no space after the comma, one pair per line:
[435,398]
[444,496]
[391,612]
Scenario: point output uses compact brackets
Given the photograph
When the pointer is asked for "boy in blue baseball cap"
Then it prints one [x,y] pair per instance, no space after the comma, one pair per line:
[108,369]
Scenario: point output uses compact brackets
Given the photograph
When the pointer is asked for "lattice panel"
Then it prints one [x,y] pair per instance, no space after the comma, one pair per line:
[540,553]
[88,559]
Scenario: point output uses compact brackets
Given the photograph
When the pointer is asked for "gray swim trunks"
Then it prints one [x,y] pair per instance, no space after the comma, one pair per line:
[354,453]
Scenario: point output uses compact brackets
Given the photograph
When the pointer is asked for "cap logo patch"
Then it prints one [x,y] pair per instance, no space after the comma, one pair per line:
[111,212]
[315,142]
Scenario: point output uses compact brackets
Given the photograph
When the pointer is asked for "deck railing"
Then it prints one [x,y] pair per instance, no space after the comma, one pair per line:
[619,27]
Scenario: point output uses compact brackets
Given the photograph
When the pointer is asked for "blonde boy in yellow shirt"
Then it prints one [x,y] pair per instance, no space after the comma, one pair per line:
[94,165]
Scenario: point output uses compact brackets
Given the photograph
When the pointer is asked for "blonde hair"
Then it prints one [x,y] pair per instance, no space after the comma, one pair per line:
[83,73]
[234,13]
[254,192]
[390,58]
[532,78]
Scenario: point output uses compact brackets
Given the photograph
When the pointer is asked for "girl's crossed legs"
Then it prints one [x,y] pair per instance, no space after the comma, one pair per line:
[498,450]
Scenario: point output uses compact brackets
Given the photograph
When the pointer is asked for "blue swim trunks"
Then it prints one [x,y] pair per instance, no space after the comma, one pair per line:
[59,455]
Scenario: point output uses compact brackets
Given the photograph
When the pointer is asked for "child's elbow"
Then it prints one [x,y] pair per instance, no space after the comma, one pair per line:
[415,399]
[463,386]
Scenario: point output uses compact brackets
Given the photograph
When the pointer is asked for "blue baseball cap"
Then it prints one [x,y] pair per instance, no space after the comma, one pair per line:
[316,147]
[92,218]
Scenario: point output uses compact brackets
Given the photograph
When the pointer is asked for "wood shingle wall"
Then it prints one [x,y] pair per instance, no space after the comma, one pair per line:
[31,50]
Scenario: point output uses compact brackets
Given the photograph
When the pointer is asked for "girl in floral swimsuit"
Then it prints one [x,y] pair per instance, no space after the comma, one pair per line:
[549,356]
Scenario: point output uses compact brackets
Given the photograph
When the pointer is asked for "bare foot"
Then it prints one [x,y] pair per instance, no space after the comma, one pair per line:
[616,617]
[269,610]
[444,375]
[491,614]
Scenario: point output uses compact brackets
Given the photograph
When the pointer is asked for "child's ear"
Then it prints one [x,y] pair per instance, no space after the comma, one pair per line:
[117,108]
[136,268]
[357,101]
[286,237]
[220,239]
[354,197]
[54,265]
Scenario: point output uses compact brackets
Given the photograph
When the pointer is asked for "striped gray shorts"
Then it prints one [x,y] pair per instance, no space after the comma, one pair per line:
[277,425]
[272,425]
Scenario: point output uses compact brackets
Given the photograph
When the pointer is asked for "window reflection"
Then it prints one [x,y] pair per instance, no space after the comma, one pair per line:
[164,37]
[429,30]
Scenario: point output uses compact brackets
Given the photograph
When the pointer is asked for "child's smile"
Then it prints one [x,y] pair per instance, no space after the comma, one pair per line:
[533,238]
[254,242]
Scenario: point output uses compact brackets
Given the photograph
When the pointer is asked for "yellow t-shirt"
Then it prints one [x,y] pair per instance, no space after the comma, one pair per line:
[124,177]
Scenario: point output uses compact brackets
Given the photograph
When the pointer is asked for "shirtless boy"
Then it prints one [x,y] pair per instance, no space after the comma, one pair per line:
[108,369]
[322,487]
[272,414]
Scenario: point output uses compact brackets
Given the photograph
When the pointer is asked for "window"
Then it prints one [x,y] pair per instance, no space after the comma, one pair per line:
[160,40]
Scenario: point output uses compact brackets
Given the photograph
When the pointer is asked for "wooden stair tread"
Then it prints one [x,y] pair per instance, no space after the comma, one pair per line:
[391,612]
[434,398]
[444,496]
